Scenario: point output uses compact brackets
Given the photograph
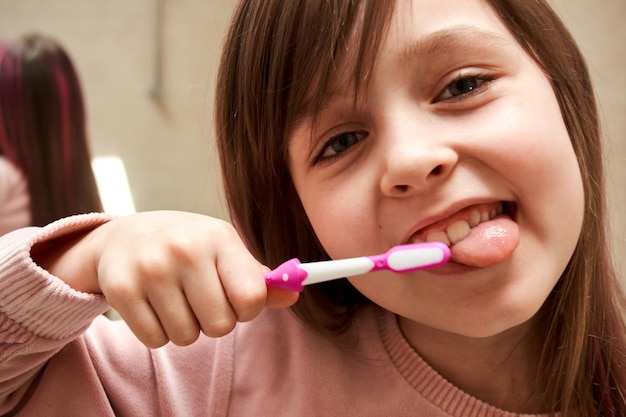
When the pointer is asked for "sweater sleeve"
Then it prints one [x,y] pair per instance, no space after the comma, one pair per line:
[14,198]
[39,313]
[60,356]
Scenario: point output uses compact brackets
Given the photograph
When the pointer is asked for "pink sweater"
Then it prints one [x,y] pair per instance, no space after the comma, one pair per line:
[60,357]
[14,198]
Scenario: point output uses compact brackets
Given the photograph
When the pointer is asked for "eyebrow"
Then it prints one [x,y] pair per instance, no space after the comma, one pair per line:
[440,42]
[450,39]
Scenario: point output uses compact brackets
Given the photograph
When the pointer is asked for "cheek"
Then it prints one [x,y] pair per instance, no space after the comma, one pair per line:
[551,163]
[327,201]
[546,163]
[534,151]
[339,212]
[546,178]
[524,142]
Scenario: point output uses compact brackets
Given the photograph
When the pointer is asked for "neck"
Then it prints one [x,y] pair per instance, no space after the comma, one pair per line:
[500,370]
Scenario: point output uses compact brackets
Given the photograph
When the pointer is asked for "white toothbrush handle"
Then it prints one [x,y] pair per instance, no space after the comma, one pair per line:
[293,275]
[328,270]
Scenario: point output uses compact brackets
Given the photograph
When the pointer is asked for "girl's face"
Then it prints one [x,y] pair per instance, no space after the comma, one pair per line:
[458,130]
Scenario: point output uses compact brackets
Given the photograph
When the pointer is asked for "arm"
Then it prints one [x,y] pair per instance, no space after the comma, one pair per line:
[39,313]
[170,275]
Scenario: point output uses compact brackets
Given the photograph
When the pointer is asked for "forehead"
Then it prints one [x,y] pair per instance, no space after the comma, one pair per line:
[418,29]
[420,17]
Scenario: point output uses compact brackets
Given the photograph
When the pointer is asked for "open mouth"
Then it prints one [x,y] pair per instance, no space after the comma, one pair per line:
[479,235]
[458,227]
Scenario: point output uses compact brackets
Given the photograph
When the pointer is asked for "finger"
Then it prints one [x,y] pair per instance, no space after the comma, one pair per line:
[174,313]
[279,298]
[210,305]
[241,276]
[142,320]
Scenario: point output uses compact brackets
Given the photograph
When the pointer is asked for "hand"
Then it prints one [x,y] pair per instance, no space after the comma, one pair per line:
[171,275]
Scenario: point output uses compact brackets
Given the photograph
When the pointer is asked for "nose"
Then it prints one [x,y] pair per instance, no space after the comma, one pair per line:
[415,163]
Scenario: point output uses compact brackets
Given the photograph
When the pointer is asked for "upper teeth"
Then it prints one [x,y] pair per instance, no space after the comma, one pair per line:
[460,229]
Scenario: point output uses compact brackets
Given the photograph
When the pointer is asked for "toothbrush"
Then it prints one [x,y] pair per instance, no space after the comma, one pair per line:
[293,275]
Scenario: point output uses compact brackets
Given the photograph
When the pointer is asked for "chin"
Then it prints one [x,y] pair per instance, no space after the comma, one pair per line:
[503,323]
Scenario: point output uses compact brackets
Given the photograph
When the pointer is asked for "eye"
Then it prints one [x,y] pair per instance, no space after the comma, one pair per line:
[463,86]
[338,145]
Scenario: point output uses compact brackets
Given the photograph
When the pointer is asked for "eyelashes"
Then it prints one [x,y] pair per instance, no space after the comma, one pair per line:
[464,85]
[337,145]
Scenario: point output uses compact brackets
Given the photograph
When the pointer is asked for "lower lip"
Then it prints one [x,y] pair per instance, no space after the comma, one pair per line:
[452,268]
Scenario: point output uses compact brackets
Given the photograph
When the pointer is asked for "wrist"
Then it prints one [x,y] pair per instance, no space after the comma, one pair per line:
[71,258]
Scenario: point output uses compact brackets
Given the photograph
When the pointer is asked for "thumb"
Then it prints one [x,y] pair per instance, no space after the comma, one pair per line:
[279,298]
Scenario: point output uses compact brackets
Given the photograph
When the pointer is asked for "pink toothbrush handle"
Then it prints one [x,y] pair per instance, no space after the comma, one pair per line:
[287,276]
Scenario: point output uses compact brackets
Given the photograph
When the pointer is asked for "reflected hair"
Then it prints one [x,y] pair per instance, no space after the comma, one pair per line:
[43,128]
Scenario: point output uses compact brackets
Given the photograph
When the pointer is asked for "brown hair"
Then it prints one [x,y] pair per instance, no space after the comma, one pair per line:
[43,128]
[276,64]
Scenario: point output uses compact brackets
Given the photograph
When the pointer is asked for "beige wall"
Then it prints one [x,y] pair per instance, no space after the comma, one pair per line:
[166,144]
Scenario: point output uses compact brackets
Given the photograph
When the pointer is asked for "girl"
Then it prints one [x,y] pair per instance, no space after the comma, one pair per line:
[346,128]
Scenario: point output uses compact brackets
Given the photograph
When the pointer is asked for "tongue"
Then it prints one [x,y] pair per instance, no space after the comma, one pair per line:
[488,243]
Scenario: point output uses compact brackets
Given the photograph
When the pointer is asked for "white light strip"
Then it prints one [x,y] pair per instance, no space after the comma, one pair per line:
[113,185]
